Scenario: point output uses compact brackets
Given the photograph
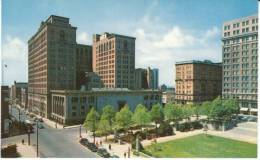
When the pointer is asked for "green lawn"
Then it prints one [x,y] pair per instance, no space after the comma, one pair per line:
[203,146]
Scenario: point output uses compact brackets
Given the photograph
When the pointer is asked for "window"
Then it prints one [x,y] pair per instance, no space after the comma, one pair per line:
[62,35]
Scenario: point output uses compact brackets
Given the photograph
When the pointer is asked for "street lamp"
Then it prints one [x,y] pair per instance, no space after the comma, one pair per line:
[37,138]
[80,132]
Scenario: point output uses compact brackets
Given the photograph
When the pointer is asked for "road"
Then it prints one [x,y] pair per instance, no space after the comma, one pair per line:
[55,143]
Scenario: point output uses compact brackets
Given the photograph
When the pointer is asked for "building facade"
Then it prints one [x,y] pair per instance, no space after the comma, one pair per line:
[239,54]
[24,98]
[146,78]
[69,107]
[93,80]
[168,96]
[16,91]
[114,59]
[4,109]
[197,81]
[51,62]
[83,63]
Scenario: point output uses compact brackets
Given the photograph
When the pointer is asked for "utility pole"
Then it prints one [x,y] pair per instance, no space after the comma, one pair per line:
[37,140]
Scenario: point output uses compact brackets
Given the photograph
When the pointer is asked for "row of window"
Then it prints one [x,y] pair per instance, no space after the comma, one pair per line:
[244,23]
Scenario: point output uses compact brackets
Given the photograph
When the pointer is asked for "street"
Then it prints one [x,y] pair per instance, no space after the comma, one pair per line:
[61,143]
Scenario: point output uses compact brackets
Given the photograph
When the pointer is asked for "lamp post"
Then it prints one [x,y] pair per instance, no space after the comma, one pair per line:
[80,132]
[29,139]
[37,139]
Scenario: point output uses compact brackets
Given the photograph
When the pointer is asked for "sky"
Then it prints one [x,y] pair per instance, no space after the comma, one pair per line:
[166,31]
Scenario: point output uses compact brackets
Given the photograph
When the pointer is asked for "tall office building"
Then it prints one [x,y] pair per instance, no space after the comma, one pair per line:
[83,63]
[239,53]
[114,59]
[197,81]
[146,78]
[155,78]
[51,62]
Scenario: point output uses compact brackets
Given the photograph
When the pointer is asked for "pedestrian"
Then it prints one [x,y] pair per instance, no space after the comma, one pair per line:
[22,141]
[109,146]
[125,155]
[97,143]
[100,143]
[128,152]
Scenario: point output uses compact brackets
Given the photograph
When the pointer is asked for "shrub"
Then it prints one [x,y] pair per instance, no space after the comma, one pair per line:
[165,129]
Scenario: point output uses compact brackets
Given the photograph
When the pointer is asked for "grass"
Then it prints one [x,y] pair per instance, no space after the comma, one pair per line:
[203,146]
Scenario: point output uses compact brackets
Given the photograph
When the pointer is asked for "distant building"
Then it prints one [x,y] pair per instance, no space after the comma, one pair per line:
[197,81]
[146,78]
[168,96]
[69,107]
[83,63]
[163,87]
[240,60]
[24,98]
[4,109]
[114,59]
[51,62]
[93,80]
[16,91]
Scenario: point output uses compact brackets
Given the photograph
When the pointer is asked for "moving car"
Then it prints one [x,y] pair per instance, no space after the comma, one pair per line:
[103,153]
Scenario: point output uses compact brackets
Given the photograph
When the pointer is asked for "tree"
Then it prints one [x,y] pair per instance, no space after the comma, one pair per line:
[124,118]
[91,121]
[108,113]
[173,113]
[141,117]
[205,109]
[104,125]
[157,115]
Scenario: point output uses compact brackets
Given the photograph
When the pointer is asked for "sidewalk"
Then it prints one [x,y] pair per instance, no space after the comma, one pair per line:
[26,151]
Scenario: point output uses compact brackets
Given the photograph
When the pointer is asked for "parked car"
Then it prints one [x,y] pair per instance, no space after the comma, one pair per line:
[252,119]
[40,119]
[40,126]
[92,147]
[114,156]
[84,142]
[103,153]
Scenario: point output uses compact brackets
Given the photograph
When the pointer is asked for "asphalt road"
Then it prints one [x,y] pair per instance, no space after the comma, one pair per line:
[61,143]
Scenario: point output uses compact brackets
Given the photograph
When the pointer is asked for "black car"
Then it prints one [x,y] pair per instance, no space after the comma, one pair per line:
[92,147]
[103,153]
[114,156]
[84,142]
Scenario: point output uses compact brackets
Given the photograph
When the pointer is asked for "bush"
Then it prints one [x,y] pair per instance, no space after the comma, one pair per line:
[197,125]
[165,129]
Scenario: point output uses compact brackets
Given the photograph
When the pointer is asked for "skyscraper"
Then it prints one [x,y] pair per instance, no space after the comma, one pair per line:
[114,59]
[239,53]
[51,62]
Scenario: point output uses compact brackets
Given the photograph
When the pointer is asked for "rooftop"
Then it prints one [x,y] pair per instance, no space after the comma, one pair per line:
[208,62]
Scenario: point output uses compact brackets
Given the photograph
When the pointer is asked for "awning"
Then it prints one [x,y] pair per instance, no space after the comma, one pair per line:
[253,110]
[243,109]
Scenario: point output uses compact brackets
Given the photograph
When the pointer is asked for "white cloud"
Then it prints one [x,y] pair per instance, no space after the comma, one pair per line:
[14,49]
[213,32]
[15,56]
[175,38]
[83,38]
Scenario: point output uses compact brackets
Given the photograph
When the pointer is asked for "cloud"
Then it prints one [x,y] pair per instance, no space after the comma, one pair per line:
[175,38]
[14,49]
[83,38]
[15,56]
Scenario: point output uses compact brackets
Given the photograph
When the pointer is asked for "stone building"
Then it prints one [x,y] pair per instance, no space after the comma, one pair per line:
[24,98]
[240,60]
[114,59]
[69,107]
[51,62]
[16,91]
[197,81]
